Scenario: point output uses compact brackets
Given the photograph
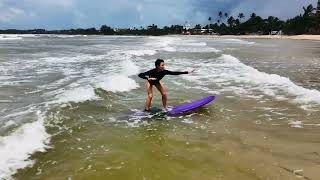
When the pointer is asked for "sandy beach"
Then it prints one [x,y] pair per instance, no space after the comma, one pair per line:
[296,37]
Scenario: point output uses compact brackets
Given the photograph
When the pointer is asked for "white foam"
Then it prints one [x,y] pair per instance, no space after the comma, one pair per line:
[173,44]
[296,124]
[169,49]
[234,41]
[21,112]
[29,35]
[187,121]
[129,54]
[193,43]
[233,75]
[79,94]
[118,83]
[80,91]
[16,149]
[229,74]
[60,36]
[163,43]
[240,41]
[19,36]
[202,49]
[9,124]
[9,37]
[141,52]
[129,68]
[273,84]
[72,59]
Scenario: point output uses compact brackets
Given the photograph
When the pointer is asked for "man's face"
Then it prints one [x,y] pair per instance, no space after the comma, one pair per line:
[161,66]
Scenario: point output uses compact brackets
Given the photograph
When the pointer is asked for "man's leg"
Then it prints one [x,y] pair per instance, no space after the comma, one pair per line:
[163,92]
[149,97]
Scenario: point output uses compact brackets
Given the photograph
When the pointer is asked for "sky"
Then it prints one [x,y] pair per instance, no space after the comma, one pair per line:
[65,14]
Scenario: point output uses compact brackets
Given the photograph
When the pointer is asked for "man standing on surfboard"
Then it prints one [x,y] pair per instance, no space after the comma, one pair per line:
[153,77]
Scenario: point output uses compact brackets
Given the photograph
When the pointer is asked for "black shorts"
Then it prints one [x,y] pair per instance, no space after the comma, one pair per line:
[154,83]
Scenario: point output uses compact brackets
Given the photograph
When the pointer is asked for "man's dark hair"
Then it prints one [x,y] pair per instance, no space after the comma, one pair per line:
[158,62]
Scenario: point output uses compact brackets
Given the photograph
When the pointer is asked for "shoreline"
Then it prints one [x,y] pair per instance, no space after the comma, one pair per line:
[294,37]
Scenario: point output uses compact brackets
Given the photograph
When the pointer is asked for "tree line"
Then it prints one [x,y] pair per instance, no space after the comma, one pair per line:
[306,23]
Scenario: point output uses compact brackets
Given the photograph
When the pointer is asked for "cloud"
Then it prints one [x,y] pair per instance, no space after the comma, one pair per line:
[283,9]
[50,3]
[139,7]
[61,14]
[7,15]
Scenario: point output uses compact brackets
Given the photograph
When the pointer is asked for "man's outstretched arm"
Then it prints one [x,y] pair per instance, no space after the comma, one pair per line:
[176,72]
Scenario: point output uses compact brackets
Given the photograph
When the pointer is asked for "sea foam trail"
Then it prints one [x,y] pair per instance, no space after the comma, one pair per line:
[162,43]
[229,74]
[76,95]
[9,37]
[117,83]
[16,149]
[174,44]
[271,84]
[234,41]
[122,82]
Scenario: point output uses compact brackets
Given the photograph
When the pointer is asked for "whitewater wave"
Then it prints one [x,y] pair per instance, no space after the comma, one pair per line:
[191,43]
[271,84]
[72,59]
[162,43]
[199,50]
[233,41]
[174,44]
[16,148]
[117,83]
[229,74]
[10,37]
[83,89]
[76,95]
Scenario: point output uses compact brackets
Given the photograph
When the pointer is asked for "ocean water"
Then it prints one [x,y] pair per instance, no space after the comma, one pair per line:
[66,105]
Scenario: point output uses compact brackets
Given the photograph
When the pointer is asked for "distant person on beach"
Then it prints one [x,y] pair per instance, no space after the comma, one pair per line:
[154,77]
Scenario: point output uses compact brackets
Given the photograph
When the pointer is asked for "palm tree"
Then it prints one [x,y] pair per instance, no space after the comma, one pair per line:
[241,16]
[309,10]
[220,14]
[237,22]
[209,26]
[253,15]
[198,26]
[226,15]
[231,21]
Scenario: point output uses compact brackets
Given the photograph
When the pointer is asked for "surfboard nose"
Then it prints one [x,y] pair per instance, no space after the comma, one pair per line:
[192,105]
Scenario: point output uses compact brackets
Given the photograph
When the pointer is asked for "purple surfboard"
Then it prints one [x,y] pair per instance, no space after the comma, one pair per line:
[190,106]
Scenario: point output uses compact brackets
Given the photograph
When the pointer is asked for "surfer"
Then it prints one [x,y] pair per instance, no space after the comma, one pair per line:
[153,78]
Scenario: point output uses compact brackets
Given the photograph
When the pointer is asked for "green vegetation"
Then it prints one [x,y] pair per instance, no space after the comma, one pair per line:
[306,23]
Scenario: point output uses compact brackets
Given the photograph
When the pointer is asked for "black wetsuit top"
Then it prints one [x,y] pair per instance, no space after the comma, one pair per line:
[153,73]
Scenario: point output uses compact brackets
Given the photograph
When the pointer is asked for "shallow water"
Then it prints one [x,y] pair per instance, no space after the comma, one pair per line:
[66,104]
